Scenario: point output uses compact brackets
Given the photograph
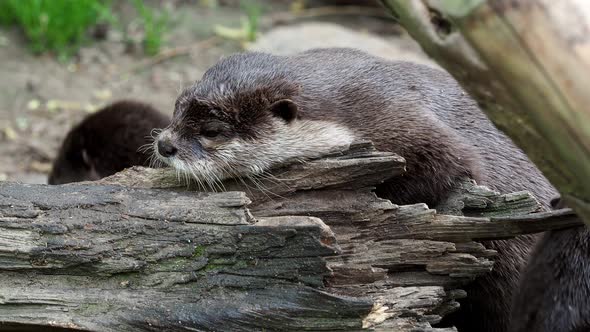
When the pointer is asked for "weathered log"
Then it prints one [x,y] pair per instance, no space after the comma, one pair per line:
[141,263]
[152,255]
[527,64]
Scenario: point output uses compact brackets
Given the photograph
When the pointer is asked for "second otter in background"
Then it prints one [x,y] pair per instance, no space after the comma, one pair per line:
[554,292]
[107,142]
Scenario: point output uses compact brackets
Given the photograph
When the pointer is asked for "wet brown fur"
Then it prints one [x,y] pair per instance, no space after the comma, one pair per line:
[107,142]
[416,111]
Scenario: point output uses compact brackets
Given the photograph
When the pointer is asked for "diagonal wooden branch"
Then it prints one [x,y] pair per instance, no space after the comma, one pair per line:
[526,62]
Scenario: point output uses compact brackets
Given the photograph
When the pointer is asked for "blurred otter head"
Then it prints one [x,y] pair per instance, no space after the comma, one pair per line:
[107,142]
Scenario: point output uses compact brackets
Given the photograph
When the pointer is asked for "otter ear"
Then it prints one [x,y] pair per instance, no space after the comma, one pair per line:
[285,109]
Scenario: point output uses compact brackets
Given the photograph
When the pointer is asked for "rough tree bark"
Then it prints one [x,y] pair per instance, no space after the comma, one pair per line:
[139,252]
[527,63]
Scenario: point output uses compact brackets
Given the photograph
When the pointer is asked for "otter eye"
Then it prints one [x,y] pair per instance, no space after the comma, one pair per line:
[214,130]
[210,133]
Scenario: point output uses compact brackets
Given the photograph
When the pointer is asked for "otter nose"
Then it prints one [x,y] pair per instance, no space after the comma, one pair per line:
[166,149]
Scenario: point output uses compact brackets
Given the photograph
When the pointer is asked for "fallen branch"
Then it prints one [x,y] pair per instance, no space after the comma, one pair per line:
[154,255]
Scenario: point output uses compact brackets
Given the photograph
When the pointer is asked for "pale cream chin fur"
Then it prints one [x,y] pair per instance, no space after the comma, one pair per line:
[297,141]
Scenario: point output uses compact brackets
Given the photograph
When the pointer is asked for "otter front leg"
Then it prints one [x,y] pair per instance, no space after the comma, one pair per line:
[437,160]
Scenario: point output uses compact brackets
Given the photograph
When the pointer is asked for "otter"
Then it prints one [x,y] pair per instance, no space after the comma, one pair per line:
[554,292]
[107,142]
[252,111]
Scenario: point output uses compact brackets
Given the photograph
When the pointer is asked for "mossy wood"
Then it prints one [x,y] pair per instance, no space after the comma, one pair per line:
[527,63]
[139,252]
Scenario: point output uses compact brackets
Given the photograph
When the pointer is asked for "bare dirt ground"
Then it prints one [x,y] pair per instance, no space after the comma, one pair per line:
[41,98]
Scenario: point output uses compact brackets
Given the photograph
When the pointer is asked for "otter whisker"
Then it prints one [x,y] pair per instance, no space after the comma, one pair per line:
[231,173]
[207,181]
[224,157]
[154,161]
[189,174]
[177,174]
[186,180]
[200,185]
[146,148]
[258,184]
[151,161]
[218,180]
[273,179]
[242,180]
[206,178]
[261,186]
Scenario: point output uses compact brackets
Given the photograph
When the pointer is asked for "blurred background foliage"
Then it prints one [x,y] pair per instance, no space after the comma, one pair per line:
[62,26]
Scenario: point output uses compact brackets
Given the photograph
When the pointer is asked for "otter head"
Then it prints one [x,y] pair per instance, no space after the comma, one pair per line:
[106,142]
[73,165]
[239,132]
